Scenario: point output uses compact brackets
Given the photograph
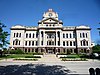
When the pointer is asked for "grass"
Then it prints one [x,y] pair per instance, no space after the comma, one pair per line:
[76,59]
[26,59]
[20,56]
[71,56]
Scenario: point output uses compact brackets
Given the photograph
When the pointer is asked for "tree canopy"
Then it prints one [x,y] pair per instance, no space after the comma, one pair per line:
[3,36]
[96,49]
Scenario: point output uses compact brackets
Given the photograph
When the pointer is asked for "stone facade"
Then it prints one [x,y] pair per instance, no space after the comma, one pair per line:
[51,37]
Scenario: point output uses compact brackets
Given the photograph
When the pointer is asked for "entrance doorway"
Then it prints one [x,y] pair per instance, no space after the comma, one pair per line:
[50,50]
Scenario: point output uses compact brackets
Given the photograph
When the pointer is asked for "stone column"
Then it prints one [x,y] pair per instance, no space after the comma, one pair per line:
[61,50]
[39,50]
[61,38]
[66,50]
[44,38]
[56,39]
[39,38]
[34,50]
[73,51]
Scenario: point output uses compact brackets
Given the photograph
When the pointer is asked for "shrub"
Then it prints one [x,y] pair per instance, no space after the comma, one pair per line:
[18,51]
[27,59]
[84,56]
[37,53]
[32,57]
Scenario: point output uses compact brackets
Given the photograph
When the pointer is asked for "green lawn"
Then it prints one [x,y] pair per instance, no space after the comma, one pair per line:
[19,56]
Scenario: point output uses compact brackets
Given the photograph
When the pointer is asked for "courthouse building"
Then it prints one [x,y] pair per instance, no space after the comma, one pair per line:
[50,36]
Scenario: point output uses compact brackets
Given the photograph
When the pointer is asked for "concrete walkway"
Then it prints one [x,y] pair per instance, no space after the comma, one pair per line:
[49,58]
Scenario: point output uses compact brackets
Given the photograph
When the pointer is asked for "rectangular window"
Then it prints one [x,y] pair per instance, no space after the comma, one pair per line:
[30,35]
[41,42]
[58,43]
[70,36]
[19,42]
[14,34]
[16,43]
[83,35]
[20,35]
[36,35]
[63,35]
[70,43]
[52,42]
[66,35]
[17,35]
[25,43]
[74,43]
[86,35]
[36,43]
[25,49]
[87,43]
[67,43]
[74,35]
[26,35]
[13,42]
[32,43]
[80,35]
[81,43]
[63,43]
[29,43]
[29,50]
[33,35]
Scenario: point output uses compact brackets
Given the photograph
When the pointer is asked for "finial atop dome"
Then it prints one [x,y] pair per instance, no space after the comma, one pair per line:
[50,10]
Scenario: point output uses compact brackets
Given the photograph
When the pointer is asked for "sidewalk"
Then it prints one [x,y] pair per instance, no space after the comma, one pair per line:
[49,58]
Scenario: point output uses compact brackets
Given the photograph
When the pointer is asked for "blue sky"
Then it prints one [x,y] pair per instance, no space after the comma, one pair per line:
[71,12]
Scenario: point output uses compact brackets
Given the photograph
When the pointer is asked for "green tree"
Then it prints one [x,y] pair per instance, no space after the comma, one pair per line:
[3,38]
[96,49]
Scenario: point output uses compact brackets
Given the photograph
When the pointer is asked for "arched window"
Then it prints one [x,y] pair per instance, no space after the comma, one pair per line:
[83,43]
[13,42]
[83,35]
[42,33]
[32,43]
[63,43]
[29,43]
[14,34]
[70,43]
[67,35]
[20,35]
[74,43]
[80,35]
[25,43]
[70,35]
[30,35]
[26,35]
[19,42]
[63,35]
[86,35]
[87,43]
[29,50]
[33,35]
[17,35]
[74,35]
[67,43]
[25,49]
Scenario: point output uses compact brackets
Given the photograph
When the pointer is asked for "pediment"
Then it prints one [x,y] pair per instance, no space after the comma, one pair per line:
[53,20]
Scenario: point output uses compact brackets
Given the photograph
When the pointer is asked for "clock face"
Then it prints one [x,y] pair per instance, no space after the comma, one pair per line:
[50,14]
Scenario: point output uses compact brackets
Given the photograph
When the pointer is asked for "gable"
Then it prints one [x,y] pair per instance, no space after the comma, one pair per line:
[52,20]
